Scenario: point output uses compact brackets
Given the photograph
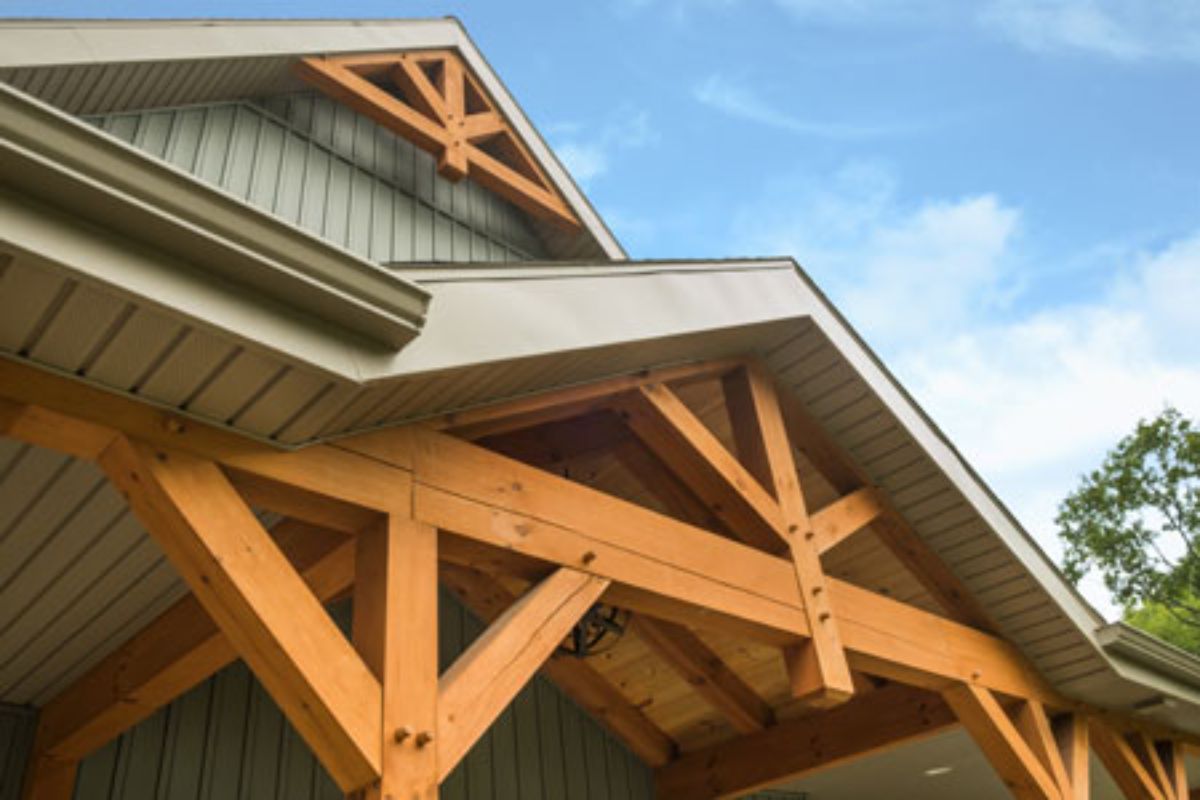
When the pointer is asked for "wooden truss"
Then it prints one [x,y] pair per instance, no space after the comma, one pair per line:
[432,98]
[388,515]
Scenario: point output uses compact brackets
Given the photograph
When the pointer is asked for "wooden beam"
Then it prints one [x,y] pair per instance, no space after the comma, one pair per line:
[259,601]
[339,82]
[49,429]
[48,779]
[707,590]
[396,632]
[181,648]
[844,517]
[1174,760]
[497,665]
[420,93]
[453,160]
[491,173]
[697,457]
[312,507]
[1147,752]
[883,719]
[485,597]
[1002,744]
[1071,736]
[672,570]
[817,668]
[556,404]
[60,403]
[482,126]
[1033,723]
[844,475]
[704,671]
[1121,760]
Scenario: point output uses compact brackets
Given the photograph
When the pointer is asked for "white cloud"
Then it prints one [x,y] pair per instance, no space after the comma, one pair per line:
[1032,398]
[737,100]
[584,160]
[903,275]
[585,151]
[1128,30]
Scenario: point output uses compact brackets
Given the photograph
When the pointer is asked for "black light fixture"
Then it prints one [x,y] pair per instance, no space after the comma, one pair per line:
[597,631]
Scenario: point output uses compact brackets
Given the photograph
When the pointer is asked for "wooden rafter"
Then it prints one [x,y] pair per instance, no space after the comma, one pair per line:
[875,722]
[485,679]
[704,670]
[817,667]
[431,98]
[684,443]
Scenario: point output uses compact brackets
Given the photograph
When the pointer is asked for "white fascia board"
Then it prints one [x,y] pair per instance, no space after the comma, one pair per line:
[507,314]
[44,43]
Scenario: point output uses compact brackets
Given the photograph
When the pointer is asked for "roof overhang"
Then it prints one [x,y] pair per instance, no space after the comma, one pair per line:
[497,333]
[144,63]
[98,208]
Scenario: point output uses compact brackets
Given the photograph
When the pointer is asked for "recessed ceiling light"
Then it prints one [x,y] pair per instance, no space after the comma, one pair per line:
[933,772]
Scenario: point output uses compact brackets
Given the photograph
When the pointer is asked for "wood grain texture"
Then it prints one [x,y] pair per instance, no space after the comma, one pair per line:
[863,726]
[485,679]
[258,600]
[1001,742]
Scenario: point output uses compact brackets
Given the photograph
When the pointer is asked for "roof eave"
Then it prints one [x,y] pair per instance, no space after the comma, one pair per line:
[55,159]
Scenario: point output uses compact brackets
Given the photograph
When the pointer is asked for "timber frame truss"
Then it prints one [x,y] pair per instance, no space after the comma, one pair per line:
[431,98]
[386,516]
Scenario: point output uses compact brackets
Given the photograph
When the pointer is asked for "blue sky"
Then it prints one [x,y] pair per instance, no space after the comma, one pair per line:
[1004,196]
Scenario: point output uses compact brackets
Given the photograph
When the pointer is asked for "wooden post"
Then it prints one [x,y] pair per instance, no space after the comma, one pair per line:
[396,632]
[49,779]
[817,668]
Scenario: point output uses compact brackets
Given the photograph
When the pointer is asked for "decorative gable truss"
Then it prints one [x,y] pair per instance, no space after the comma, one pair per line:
[431,98]
[386,515]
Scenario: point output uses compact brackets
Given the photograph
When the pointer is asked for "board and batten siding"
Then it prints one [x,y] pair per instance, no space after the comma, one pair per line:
[335,173]
[227,740]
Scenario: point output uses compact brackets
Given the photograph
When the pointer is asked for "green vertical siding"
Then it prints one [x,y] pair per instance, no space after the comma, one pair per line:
[335,173]
[227,739]
[16,736]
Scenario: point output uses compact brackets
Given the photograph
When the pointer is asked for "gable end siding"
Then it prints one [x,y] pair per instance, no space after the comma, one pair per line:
[336,174]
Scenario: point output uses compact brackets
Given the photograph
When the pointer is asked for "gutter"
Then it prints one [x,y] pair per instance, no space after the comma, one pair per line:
[57,159]
[1149,651]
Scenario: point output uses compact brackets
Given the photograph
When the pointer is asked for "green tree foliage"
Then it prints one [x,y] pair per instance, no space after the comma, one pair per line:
[1166,626]
[1136,520]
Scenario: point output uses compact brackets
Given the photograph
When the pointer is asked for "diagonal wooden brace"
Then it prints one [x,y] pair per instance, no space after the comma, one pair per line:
[258,600]
[1001,742]
[485,678]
